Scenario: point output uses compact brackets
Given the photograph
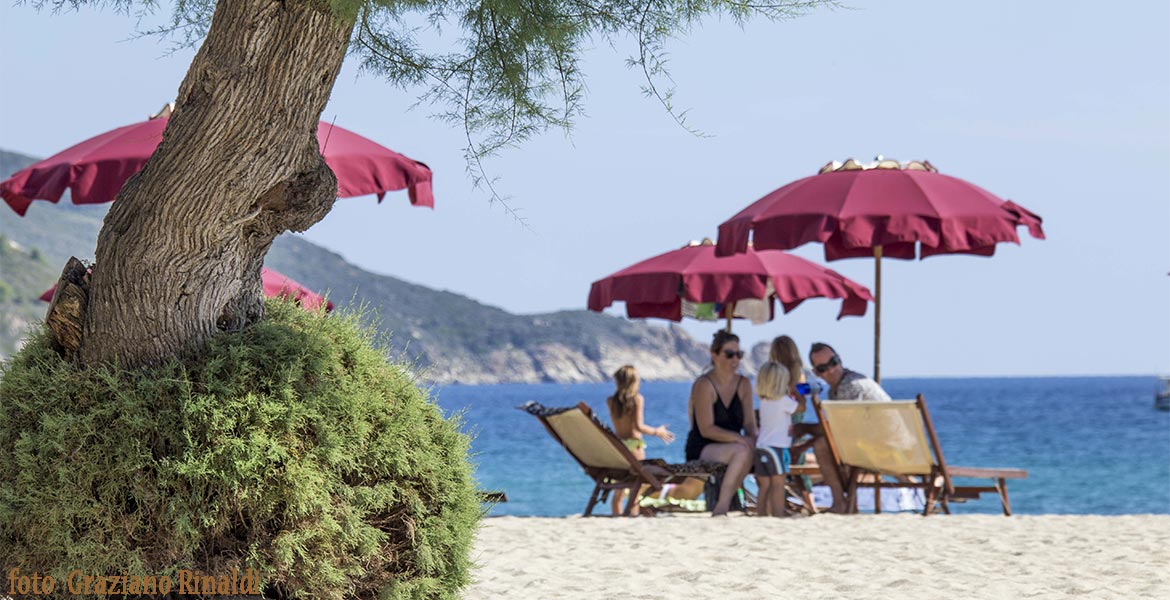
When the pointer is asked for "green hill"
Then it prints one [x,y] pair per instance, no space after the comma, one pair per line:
[25,269]
[454,338]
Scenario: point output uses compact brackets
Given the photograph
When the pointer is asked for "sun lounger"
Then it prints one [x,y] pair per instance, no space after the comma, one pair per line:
[606,459]
[875,440]
[493,496]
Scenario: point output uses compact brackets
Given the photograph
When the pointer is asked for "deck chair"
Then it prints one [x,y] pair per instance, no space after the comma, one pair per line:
[796,488]
[606,459]
[874,440]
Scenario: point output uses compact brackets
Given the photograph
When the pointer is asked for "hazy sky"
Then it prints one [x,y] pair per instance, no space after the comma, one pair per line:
[1063,107]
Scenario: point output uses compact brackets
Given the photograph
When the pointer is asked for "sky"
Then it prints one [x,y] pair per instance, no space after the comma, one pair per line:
[1062,107]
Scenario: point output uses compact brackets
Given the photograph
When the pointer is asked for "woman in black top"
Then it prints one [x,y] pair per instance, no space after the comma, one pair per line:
[723,421]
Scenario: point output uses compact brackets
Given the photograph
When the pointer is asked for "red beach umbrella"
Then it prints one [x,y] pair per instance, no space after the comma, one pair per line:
[96,169]
[882,210]
[677,283]
[276,285]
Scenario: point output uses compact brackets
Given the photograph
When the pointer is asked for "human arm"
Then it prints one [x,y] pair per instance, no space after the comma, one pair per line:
[660,432]
[750,427]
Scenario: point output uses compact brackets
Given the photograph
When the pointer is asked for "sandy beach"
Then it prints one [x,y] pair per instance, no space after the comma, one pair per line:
[826,556]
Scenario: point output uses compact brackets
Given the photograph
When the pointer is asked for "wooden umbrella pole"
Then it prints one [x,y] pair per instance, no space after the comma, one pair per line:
[730,310]
[877,314]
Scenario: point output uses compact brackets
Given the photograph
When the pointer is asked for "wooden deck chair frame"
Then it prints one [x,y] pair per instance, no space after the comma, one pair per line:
[794,487]
[630,476]
[937,481]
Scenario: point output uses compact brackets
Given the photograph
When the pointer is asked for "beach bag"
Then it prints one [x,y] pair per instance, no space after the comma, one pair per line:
[711,493]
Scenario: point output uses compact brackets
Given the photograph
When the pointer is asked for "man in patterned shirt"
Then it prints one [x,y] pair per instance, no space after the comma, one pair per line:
[844,384]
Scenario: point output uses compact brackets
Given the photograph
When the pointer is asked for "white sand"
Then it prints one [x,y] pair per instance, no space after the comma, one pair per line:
[827,556]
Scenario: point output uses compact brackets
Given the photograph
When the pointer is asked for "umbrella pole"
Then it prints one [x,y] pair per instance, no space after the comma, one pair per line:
[877,314]
[729,309]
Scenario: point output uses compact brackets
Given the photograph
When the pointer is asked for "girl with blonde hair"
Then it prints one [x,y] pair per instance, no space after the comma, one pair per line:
[804,384]
[785,352]
[772,447]
[626,408]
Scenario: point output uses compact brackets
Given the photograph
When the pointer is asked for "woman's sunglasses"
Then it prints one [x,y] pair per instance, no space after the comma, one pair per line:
[733,353]
[829,365]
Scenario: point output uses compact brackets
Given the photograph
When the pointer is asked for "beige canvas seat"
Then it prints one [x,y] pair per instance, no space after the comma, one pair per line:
[606,459]
[876,440]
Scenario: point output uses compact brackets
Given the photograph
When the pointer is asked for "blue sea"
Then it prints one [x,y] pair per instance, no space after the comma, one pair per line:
[1091,445]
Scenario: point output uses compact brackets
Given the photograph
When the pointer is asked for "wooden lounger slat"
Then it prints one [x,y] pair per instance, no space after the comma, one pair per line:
[973,492]
[987,473]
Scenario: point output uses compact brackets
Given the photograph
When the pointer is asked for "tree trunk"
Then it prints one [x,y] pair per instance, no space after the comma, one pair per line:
[179,255]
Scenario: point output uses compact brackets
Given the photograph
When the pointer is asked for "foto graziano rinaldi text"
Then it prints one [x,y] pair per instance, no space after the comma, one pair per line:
[190,583]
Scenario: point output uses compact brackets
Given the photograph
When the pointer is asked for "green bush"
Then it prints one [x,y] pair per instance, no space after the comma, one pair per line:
[293,448]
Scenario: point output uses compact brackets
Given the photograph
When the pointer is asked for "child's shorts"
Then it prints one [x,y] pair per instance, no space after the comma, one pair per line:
[772,461]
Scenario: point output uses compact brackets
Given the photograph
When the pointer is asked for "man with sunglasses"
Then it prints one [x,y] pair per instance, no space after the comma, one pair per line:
[844,384]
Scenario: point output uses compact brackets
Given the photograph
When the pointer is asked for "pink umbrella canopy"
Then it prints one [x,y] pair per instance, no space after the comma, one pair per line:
[885,209]
[276,285]
[95,170]
[669,285]
[852,209]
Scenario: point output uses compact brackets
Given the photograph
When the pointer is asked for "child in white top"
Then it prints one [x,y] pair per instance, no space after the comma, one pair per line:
[772,456]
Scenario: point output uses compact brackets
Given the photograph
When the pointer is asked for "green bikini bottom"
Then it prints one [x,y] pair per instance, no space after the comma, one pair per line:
[634,443]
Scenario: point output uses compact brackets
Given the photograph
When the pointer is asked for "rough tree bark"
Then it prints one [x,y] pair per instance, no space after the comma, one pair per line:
[179,255]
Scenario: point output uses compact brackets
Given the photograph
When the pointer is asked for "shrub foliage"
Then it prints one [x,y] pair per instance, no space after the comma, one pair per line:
[293,448]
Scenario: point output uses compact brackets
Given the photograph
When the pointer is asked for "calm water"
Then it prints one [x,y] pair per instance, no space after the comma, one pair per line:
[1090,445]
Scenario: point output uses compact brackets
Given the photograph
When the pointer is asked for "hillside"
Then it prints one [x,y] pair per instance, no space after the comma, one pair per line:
[453,338]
